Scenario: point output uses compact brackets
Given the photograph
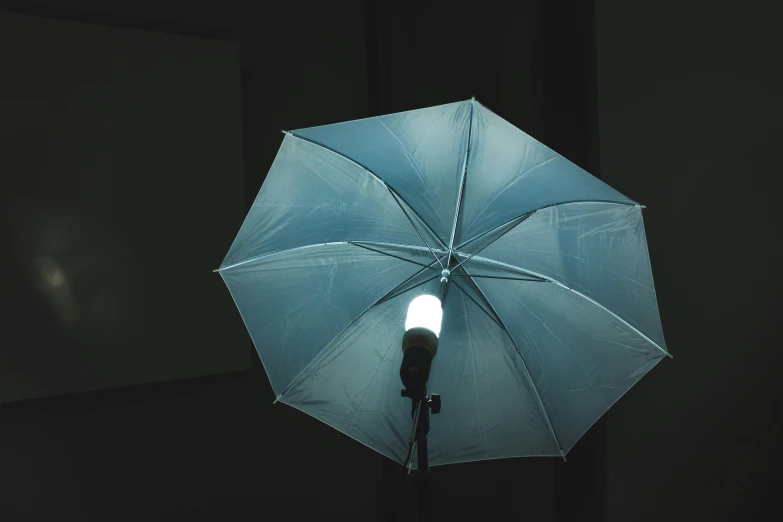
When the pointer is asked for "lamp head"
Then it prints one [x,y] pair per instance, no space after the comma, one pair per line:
[420,342]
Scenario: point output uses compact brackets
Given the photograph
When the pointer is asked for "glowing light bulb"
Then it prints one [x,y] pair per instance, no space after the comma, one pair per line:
[425,311]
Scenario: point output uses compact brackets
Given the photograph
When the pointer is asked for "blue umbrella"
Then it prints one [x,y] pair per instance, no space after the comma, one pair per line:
[549,312]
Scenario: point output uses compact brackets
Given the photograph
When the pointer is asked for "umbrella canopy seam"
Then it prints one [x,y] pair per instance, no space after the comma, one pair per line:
[531,212]
[378,178]
[577,292]
[357,243]
[461,189]
[279,252]
[526,371]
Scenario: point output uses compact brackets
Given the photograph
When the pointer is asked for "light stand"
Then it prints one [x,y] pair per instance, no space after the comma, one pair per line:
[419,346]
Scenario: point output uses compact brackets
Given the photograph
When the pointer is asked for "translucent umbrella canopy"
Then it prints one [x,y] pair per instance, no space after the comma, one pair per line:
[550,314]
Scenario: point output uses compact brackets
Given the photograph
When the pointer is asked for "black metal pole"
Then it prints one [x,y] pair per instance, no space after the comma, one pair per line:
[422,458]
[424,511]
[421,450]
[421,436]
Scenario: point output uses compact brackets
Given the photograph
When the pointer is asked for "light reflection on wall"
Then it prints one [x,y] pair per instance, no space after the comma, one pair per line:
[85,274]
[53,283]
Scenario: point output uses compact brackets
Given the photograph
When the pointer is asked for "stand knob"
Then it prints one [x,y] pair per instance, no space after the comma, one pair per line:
[434,403]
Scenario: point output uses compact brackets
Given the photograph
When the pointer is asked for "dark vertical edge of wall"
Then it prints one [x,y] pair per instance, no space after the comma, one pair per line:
[570,115]
[522,82]
[372,65]
[591,84]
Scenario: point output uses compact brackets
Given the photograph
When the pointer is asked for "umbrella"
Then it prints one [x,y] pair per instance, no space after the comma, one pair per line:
[549,312]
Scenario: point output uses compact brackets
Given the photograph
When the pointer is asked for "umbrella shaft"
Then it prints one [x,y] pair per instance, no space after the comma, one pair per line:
[443,288]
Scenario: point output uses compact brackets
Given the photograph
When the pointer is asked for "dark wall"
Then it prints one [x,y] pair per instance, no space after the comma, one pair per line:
[690,111]
[216,445]
[200,449]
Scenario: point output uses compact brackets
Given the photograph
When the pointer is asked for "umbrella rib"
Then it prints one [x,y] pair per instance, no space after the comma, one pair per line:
[461,182]
[505,265]
[521,219]
[295,379]
[287,250]
[577,292]
[477,304]
[414,225]
[355,243]
[531,212]
[376,303]
[526,371]
[389,294]
[327,243]
[381,244]
[531,278]
[392,295]
[374,175]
